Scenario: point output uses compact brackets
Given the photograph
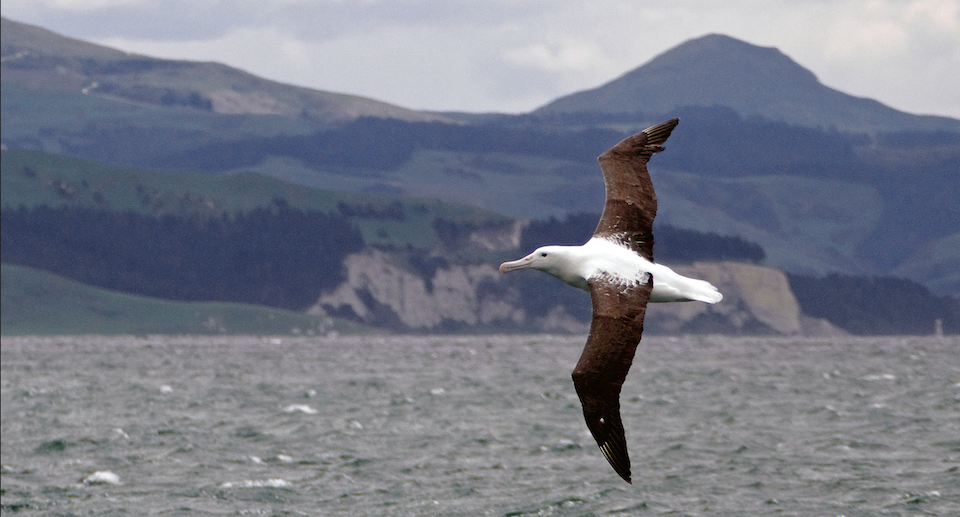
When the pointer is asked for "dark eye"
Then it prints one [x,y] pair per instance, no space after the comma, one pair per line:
[543,253]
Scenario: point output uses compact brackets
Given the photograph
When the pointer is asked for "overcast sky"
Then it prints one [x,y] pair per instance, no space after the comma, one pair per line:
[516,55]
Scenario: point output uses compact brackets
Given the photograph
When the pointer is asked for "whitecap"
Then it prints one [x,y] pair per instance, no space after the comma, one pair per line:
[880,377]
[257,483]
[102,477]
[166,389]
[303,408]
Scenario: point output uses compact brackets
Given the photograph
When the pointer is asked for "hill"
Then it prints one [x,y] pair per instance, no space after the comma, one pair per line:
[817,201]
[34,179]
[717,70]
[416,266]
[39,303]
[877,197]
[37,59]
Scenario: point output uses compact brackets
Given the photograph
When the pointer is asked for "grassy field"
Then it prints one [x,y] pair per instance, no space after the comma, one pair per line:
[39,303]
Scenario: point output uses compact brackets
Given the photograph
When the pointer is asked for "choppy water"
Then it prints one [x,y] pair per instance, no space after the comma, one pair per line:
[476,426]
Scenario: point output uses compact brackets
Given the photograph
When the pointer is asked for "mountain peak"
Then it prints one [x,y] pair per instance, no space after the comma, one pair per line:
[720,56]
[718,70]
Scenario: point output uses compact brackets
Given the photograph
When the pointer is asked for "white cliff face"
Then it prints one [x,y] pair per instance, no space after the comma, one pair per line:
[751,294]
[379,291]
[374,279]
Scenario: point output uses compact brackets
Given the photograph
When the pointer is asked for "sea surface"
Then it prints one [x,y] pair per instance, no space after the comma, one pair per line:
[411,426]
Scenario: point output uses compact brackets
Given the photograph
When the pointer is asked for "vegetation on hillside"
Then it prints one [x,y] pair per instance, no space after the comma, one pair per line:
[283,257]
[917,188]
[549,158]
[671,245]
[875,305]
[275,256]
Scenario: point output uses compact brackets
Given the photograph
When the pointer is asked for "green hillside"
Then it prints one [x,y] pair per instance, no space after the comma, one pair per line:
[32,178]
[39,303]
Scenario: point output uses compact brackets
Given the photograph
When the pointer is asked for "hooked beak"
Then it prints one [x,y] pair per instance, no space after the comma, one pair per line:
[514,265]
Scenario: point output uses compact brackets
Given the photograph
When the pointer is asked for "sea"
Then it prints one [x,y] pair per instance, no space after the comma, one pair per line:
[475,426]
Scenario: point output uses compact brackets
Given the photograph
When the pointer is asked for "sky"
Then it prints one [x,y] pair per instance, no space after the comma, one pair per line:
[516,55]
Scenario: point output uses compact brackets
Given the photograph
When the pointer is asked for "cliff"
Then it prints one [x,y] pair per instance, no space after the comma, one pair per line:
[756,300]
[379,290]
[382,292]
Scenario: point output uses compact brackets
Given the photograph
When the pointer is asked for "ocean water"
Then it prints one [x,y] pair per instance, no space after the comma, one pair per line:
[410,426]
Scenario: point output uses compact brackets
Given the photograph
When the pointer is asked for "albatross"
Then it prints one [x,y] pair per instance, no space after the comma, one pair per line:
[616,267]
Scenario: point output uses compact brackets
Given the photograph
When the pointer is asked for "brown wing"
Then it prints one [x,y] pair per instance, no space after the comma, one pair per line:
[631,203]
[614,335]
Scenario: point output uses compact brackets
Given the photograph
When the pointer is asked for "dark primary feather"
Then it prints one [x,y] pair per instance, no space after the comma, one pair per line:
[631,202]
[618,312]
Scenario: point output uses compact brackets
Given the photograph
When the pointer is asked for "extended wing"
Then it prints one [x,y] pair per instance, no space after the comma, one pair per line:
[618,313]
[631,203]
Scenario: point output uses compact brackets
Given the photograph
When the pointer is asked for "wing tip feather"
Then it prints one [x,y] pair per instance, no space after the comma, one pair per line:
[644,144]
[612,440]
[658,134]
[620,463]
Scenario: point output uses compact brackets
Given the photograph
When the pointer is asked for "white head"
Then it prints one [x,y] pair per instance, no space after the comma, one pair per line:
[558,261]
[542,258]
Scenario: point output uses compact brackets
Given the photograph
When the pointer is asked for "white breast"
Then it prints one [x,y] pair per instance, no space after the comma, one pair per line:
[610,260]
[605,258]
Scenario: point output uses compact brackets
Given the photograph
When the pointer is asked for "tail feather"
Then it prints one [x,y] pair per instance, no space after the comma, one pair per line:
[704,291]
[668,286]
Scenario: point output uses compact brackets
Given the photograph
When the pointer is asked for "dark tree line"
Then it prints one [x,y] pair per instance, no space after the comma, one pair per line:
[713,141]
[670,244]
[275,256]
[717,141]
[387,143]
[161,96]
[685,246]
[875,306]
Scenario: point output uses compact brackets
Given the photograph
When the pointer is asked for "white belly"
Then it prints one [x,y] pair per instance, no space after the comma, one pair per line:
[605,257]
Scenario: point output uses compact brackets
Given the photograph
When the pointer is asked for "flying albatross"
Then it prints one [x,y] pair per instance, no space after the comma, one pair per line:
[616,267]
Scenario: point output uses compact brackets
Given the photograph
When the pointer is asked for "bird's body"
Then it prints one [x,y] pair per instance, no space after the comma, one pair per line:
[616,267]
[600,257]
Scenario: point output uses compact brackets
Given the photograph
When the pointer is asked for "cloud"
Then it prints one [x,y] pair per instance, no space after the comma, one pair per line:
[903,53]
[514,55]
[559,57]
